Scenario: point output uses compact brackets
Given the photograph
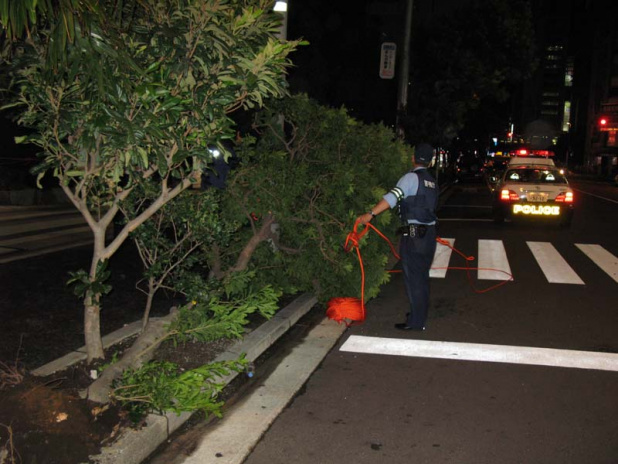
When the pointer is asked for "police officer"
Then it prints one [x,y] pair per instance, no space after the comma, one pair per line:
[416,194]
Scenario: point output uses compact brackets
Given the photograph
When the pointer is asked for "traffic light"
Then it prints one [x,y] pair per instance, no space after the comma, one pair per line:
[603,123]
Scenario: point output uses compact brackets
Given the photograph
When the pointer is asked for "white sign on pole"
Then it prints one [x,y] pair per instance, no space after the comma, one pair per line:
[387,60]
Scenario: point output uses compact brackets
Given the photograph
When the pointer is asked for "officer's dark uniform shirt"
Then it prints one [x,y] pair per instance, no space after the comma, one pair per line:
[417,194]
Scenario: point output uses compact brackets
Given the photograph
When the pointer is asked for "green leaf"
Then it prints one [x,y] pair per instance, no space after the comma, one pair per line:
[74,173]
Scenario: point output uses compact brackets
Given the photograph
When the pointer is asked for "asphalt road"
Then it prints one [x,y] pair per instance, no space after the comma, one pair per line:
[413,407]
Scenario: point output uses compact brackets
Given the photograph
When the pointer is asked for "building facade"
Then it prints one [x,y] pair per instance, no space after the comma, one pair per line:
[600,141]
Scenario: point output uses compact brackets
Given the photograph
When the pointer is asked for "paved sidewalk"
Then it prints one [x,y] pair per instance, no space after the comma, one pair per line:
[231,440]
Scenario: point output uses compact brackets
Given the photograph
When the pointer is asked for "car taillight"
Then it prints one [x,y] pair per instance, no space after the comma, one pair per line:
[508,195]
[565,197]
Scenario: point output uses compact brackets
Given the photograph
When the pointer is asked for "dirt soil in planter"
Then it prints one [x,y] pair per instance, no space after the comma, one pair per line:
[43,420]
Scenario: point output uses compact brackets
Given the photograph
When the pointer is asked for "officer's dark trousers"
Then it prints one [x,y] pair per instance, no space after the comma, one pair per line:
[416,257]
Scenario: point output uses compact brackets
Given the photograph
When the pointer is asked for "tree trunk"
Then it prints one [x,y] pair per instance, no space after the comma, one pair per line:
[149,298]
[264,233]
[92,303]
[92,327]
[140,352]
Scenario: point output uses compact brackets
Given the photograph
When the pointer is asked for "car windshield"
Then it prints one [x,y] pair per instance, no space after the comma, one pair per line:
[535,175]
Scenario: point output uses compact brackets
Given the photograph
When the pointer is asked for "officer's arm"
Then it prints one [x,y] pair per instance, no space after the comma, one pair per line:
[377,209]
[404,187]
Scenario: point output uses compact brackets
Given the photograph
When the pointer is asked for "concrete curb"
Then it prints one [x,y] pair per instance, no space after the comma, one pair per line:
[133,446]
[235,436]
[79,355]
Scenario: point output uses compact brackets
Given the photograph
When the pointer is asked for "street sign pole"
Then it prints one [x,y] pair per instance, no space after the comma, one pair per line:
[404,71]
[388,54]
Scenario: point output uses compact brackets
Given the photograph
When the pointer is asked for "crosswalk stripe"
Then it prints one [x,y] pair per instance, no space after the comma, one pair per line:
[481,352]
[493,263]
[492,260]
[602,258]
[555,268]
[441,259]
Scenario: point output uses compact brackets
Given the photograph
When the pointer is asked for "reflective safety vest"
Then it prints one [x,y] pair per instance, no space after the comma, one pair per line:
[422,206]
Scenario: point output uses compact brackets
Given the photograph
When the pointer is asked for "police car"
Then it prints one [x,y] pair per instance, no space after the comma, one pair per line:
[533,188]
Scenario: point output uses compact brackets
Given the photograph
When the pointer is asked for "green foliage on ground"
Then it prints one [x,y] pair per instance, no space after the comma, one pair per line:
[162,386]
[223,312]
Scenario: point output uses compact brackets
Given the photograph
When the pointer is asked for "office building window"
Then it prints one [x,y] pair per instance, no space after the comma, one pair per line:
[566,118]
[568,74]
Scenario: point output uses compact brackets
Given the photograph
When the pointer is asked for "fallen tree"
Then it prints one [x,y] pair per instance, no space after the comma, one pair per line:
[303,180]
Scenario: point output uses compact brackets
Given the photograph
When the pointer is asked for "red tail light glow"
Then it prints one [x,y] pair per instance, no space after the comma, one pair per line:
[508,195]
[565,197]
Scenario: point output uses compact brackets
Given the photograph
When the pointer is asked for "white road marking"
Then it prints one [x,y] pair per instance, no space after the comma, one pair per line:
[555,268]
[484,353]
[466,206]
[465,219]
[596,196]
[602,258]
[492,260]
[441,259]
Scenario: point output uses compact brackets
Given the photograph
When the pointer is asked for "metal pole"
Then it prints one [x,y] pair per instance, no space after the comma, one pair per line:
[437,158]
[404,71]
[282,7]
[284,27]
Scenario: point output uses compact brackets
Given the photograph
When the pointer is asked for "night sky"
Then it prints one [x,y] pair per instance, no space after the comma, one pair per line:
[341,64]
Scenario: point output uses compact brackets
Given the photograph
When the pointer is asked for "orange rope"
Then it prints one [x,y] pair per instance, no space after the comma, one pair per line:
[351,310]
[468,269]
[340,309]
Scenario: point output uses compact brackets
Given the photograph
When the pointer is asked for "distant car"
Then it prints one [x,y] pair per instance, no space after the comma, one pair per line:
[469,167]
[532,161]
[493,170]
[533,188]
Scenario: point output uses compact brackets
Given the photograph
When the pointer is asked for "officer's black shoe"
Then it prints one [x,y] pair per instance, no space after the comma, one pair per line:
[405,326]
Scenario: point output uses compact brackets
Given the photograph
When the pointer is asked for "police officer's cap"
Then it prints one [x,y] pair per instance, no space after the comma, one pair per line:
[423,153]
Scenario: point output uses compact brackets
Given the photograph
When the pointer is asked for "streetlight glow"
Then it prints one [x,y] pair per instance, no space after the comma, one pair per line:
[281,7]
